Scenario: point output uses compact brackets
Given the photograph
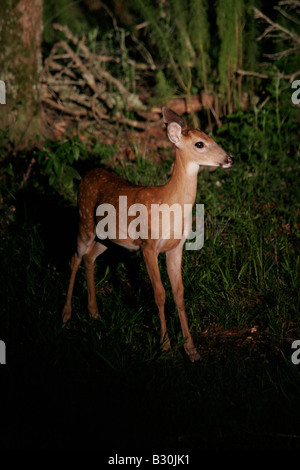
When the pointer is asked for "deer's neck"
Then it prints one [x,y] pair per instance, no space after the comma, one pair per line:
[183,182]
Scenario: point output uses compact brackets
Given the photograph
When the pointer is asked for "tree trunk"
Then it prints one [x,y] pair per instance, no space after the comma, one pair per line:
[21,26]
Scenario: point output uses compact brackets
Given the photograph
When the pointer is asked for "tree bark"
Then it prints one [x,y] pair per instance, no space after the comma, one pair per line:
[21,26]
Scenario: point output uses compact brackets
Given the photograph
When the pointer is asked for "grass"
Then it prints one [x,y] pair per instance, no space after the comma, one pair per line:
[107,385]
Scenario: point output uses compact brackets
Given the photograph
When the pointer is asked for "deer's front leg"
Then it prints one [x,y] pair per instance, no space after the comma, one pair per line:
[174,259]
[150,258]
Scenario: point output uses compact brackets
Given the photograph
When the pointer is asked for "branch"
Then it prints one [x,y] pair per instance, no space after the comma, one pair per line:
[285,53]
[253,74]
[291,3]
[290,77]
[274,26]
[74,111]
[284,13]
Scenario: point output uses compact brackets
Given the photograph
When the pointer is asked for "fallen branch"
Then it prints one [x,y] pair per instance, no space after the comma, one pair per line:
[74,111]
[291,77]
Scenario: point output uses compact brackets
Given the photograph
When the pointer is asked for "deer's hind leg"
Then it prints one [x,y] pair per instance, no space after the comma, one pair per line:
[83,242]
[92,252]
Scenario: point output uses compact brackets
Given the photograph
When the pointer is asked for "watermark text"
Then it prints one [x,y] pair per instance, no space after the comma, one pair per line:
[154,221]
[296,93]
[2,352]
[2,92]
[296,354]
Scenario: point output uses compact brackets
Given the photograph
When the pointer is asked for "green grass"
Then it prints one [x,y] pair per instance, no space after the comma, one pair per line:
[107,384]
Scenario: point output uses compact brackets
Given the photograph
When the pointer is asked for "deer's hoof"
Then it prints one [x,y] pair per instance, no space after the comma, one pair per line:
[193,354]
[66,313]
[94,314]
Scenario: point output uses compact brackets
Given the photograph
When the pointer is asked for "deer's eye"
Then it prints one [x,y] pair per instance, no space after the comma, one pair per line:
[199,145]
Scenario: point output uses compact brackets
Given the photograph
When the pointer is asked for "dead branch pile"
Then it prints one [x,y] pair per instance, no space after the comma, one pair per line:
[78,85]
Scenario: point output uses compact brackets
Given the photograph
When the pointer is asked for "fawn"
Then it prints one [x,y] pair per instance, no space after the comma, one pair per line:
[193,149]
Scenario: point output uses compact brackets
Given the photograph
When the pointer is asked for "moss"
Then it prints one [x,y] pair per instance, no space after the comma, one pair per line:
[20,58]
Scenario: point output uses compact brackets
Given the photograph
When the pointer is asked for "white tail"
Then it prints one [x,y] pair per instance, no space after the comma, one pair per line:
[100,187]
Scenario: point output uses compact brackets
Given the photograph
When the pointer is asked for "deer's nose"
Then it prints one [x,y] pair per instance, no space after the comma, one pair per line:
[228,161]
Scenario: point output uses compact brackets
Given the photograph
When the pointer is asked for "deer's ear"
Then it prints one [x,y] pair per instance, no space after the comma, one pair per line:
[174,132]
[169,116]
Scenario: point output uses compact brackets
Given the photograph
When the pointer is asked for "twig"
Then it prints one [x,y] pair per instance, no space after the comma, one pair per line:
[67,32]
[27,174]
[136,124]
[285,53]
[85,72]
[66,109]
[253,74]
[290,77]
[284,13]
[291,3]
[63,82]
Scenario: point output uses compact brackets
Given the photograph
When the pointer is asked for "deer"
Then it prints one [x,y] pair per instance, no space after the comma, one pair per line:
[193,150]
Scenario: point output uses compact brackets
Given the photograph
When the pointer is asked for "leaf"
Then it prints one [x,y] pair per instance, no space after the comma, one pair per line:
[76,152]
[69,175]
[57,165]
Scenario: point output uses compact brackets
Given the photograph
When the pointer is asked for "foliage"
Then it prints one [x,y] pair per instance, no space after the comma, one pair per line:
[182,39]
[193,47]
[56,159]
[163,90]
[65,12]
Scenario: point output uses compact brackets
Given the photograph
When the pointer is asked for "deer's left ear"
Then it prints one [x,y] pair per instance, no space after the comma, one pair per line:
[169,116]
[174,132]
